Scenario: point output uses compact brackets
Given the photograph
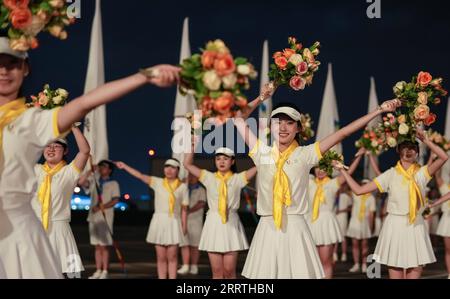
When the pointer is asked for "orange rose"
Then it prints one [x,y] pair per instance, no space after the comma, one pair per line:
[208,58]
[224,103]
[281,62]
[15,4]
[401,119]
[366,135]
[423,79]
[299,46]
[34,43]
[421,112]
[288,52]
[277,54]
[430,119]
[20,18]
[241,102]
[224,64]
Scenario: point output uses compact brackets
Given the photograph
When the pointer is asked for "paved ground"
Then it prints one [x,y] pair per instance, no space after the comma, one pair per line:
[141,261]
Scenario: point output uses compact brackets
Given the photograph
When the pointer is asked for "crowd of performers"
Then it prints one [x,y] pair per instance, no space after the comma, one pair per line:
[303,212]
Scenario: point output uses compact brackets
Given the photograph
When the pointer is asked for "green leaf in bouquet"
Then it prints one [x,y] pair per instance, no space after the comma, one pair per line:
[215,94]
[240,60]
[45,6]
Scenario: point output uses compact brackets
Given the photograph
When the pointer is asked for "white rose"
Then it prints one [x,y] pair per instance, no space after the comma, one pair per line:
[220,46]
[243,69]
[229,81]
[357,143]
[374,143]
[211,80]
[403,129]
[57,100]
[296,59]
[386,124]
[399,87]
[391,142]
[62,92]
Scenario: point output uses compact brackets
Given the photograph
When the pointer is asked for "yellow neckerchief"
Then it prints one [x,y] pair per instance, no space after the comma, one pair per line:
[223,194]
[171,187]
[8,113]
[414,190]
[362,207]
[281,188]
[319,196]
[45,189]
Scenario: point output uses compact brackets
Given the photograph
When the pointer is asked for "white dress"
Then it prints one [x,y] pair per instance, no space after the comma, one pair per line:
[59,231]
[99,230]
[217,236]
[401,244]
[195,219]
[289,252]
[165,229]
[360,228]
[344,202]
[325,229]
[25,251]
[443,228]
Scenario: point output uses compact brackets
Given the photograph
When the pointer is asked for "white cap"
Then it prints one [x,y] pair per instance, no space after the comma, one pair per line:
[225,151]
[60,140]
[172,162]
[291,112]
[5,48]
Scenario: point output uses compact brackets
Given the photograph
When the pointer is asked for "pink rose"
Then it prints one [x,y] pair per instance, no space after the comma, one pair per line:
[302,68]
[297,83]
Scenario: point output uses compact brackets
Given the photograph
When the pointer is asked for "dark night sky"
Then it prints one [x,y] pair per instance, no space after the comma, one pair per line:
[410,36]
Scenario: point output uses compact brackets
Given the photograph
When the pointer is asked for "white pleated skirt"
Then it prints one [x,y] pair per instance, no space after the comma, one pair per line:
[63,243]
[99,233]
[377,228]
[195,226]
[25,250]
[403,245]
[325,230]
[286,253]
[222,237]
[165,230]
[342,220]
[359,229]
[443,228]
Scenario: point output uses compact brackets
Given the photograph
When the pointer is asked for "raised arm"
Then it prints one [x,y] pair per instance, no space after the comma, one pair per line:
[76,109]
[435,149]
[353,166]
[146,179]
[239,120]
[188,162]
[438,177]
[333,139]
[249,174]
[374,164]
[83,149]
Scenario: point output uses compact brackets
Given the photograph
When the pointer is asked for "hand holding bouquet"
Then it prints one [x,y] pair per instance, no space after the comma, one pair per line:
[331,159]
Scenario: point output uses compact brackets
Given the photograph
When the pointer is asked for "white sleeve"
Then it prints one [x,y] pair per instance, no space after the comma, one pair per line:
[311,154]
[383,180]
[44,125]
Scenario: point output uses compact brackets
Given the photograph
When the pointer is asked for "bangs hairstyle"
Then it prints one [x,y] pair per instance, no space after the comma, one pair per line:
[283,116]
[233,167]
[408,144]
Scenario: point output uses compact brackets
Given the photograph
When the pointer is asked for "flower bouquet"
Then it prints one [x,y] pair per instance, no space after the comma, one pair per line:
[307,132]
[326,163]
[439,139]
[24,19]
[49,99]
[216,79]
[373,140]
[295,65]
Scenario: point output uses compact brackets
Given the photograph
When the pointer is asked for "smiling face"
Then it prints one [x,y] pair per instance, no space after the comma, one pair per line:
[54,153]
[319,173]
[171,172]
[284,129]
[12,72]
[224,163]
